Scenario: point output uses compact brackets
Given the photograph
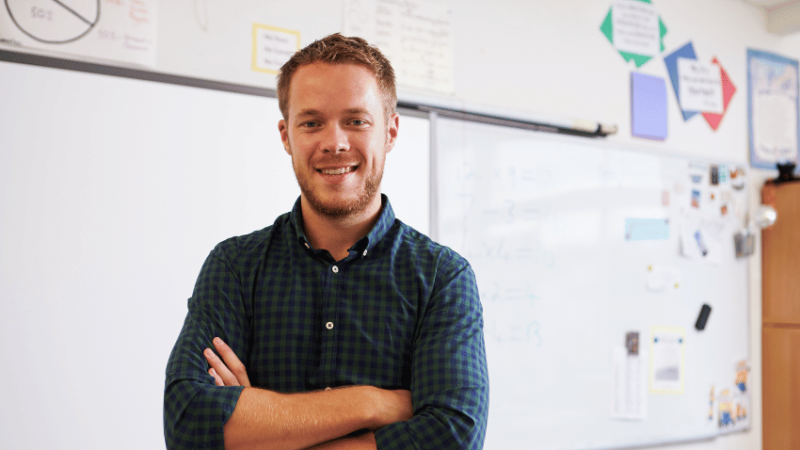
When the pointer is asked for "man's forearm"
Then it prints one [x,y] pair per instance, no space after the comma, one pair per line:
[266,419]
[362,442]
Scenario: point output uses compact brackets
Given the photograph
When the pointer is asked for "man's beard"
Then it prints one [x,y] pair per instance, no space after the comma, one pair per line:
[347,207]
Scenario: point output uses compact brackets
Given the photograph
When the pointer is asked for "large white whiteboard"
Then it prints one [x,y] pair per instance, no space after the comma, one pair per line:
[541,218]
[112,193]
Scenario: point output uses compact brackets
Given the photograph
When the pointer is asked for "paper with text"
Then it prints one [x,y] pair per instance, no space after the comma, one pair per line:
[416,36]
[272,47]
[118,30]
[667,359]
[700,86]
[636,28]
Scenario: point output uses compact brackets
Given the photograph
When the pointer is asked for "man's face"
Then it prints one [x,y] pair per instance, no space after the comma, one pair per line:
[337,136]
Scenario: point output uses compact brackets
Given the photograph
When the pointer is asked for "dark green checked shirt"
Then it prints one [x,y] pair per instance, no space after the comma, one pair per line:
[400,312]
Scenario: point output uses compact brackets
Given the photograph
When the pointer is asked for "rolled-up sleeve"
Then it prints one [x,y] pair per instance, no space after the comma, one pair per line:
[195,409]
[450,381]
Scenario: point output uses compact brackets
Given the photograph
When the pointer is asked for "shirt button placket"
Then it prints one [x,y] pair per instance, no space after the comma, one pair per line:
[329,339]
[329,325]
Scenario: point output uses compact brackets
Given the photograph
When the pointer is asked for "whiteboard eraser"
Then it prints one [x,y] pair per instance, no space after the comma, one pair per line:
[705,311]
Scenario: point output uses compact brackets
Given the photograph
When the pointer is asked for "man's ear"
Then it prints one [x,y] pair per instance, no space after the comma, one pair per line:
[284,136]
[391,131]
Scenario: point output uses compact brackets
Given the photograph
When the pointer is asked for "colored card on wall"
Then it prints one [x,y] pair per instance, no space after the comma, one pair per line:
[728,89]
[635,29]
[648,106]
[671,61]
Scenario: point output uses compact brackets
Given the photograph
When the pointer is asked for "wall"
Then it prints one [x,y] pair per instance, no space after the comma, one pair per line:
[531,57]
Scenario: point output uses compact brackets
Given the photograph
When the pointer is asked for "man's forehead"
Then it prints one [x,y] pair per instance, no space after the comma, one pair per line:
[330,66]
[321,75]
[315,87]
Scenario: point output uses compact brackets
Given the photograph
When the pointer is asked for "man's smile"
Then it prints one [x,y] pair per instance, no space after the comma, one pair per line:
[337,170]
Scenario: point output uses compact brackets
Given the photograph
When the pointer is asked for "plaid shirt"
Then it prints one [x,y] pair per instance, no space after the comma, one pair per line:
[400,312]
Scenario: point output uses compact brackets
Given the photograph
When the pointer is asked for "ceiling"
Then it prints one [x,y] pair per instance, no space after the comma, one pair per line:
[783,16]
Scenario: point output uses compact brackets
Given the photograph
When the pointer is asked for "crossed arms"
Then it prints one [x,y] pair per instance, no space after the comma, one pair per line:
[443,403]
[303,420]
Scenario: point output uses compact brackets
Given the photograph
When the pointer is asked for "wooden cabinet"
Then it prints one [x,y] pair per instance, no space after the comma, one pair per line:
[780,330]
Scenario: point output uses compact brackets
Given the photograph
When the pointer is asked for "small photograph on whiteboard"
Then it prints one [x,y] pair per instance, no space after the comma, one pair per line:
[696,197]
[667,359]
[699,173]
[737,177]
[701,238]
[632,342]
[714,174]
[742,372]
[727,408]
[734,403]
[724,174]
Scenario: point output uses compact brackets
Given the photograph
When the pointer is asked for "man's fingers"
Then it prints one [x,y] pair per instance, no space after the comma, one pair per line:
[228,378]
[232,362]
[217,379]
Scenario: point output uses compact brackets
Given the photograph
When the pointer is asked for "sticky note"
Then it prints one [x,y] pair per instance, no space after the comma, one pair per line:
[646,229]
[648,106]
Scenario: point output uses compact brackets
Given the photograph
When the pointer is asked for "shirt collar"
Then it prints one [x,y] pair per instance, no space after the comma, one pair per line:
[378,231]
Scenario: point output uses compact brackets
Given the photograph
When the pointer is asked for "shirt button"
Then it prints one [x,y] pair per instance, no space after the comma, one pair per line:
[335,269]
[365,253]
[329,325]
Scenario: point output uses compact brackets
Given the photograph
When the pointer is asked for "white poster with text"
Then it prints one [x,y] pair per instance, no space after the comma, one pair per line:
[117,30]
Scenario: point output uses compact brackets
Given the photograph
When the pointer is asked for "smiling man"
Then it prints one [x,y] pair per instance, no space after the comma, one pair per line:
[338,326]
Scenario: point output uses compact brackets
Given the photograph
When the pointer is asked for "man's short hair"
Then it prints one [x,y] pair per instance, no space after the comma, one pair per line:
[338,49]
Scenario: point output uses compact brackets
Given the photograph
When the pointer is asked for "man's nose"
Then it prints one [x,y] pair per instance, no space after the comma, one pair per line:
[336,140]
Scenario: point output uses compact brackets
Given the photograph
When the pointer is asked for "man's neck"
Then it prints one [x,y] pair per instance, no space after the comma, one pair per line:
[338,234]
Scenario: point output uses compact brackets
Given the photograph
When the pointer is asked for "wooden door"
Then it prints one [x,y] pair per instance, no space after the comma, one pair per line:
[781,319]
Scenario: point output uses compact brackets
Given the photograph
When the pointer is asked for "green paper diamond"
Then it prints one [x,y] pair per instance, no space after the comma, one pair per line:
[607,28]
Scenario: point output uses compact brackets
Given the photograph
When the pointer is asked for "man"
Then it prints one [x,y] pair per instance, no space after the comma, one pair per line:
[338,326]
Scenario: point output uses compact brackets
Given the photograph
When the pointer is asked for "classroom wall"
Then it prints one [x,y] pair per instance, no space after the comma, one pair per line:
[530,57]
[545,58]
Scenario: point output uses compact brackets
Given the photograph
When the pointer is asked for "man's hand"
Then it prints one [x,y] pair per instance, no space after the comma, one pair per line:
[231,372]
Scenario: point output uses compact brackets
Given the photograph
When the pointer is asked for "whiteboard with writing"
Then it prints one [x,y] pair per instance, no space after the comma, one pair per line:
[549,225]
